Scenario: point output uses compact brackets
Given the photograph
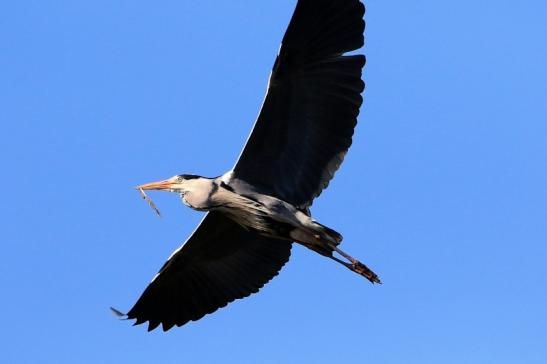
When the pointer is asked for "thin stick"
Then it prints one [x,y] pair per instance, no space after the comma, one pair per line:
[150,202]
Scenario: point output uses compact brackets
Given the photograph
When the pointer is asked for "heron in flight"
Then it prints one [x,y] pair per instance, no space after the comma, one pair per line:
[256,211]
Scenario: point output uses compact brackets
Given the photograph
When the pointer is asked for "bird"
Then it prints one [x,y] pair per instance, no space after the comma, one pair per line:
[257,210]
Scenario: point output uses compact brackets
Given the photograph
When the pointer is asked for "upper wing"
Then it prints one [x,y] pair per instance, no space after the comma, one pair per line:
[219,263]
[307,119]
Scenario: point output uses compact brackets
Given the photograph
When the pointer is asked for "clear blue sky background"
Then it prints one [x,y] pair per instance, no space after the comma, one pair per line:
[444,192]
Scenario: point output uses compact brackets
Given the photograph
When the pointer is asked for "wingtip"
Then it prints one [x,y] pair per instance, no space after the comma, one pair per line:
[118,313]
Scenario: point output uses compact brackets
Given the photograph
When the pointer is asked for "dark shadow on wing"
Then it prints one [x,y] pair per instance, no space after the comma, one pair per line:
[219,263]
[307,120]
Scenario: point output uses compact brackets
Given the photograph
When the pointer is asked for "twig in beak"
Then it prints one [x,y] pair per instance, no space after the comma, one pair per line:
[150,202]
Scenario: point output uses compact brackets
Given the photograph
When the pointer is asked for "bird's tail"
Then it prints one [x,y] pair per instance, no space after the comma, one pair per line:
[329,233]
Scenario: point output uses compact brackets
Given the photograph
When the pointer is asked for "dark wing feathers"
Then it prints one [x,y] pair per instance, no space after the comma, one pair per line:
[310,111]
[299,140]
[220,262]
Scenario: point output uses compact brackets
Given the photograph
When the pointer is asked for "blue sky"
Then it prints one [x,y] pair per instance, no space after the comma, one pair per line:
[443,193]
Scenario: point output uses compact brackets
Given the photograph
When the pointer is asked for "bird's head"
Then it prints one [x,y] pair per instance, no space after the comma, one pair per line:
[179,183]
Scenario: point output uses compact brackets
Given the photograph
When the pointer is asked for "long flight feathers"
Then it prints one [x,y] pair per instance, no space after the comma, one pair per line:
[219,263]
[307,120]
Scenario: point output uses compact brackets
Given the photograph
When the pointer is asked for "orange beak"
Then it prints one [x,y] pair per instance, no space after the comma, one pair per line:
[160,185]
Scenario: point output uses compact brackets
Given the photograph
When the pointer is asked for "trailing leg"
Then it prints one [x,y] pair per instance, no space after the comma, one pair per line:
[355,265]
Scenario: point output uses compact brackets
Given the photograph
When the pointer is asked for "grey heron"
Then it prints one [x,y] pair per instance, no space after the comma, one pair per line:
[257,210]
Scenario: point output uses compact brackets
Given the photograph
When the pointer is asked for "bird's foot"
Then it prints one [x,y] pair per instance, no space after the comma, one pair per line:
[355,265]
[365,271]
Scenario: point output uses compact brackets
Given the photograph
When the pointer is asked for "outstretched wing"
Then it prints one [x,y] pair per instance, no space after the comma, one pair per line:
[219,263]
[307,119]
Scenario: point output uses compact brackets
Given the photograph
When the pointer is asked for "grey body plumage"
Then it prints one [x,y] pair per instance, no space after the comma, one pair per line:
[261,213]
[257,210]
